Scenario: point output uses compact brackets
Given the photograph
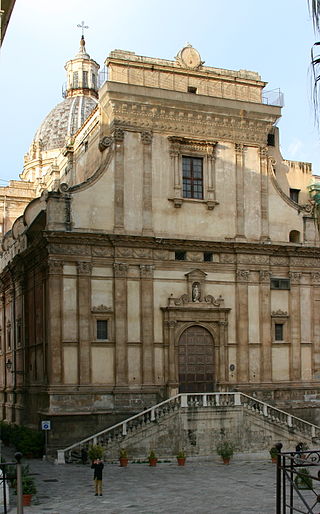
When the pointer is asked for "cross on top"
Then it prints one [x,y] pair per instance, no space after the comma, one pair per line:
[82,26]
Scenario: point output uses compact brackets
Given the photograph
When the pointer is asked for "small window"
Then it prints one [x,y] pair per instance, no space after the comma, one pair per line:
[85,146]
[192,177]
[180,256]
[84,79]
[271,140]
[294,195]
[192,89]
[94,81]
[102,329]
[294,236]
[278,332]
[75,82]
[208,256]
[280,283]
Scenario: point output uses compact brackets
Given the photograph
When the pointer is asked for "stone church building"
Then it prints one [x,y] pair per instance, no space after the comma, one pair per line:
[161,245]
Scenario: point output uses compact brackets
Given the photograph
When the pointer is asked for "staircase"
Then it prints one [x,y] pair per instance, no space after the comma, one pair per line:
[195,422]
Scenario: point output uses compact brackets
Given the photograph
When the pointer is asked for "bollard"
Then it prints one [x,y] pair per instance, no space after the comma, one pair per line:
[18,457]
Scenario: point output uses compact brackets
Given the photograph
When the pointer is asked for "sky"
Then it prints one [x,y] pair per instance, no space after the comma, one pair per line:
[273,38]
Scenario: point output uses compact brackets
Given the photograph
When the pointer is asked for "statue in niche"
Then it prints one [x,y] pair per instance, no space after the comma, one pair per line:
[196,292]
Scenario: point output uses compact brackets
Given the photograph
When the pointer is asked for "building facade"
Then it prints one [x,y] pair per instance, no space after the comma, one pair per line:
[171,249]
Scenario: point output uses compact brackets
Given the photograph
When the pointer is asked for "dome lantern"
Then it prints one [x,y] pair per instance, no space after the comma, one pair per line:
[82,74]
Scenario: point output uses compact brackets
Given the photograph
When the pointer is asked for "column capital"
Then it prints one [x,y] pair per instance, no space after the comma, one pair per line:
[120,269]
[146,270]
[84,268]
[118,135]
[295,277]
[55,267]
[146,137]
[242,275]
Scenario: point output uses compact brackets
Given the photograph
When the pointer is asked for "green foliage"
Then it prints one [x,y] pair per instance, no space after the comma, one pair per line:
[11,472]
[152,455]
[225,449]
[96,452]
[303,479]
[123,454]
[25,439]
[273,452]
[28,485]
[181,454]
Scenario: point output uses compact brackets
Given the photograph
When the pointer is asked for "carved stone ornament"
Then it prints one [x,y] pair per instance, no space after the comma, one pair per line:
[118,135]
[263,152]
[69,249]
[295,277]
[84,268]
[185,299]
[146,138]
[63,187]
[102,251]
[172,323]
[279,314]
[217,302]
[315,277]
[101,308]
[264,276]
[242,275]
[196,292]
[239,148]
[189,57]
[55,267]
[146,270]
[120,269]
[105,142]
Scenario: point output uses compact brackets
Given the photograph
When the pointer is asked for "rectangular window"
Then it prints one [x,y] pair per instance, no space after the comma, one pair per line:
[102,329]
[192,177]
[94,81]
[280,283]
[84,79]
[180,256]
[278,332]
[75,79]
[294,195]
[192,89]
[207,256]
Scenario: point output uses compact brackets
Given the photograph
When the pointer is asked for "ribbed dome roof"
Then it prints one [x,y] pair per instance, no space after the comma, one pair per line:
[63,121]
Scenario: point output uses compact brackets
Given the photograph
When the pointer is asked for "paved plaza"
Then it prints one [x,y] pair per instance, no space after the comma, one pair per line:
[245,486]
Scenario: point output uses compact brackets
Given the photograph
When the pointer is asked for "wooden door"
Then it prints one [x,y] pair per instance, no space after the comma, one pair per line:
[196,361]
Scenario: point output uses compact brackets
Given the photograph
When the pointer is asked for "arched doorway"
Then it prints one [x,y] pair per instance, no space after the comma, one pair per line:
[196,361]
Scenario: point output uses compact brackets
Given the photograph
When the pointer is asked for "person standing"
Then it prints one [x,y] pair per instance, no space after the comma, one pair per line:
[97,466]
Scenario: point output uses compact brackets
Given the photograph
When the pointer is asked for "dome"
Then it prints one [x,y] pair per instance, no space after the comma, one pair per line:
[64,121]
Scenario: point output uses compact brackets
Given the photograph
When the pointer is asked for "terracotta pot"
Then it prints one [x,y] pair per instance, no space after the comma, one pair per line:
[26,499]
[153,462]
[274,460]
[181,461]
[226,460]
[123,462]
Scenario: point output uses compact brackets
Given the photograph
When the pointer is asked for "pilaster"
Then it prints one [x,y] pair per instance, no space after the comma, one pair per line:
[295,317]
[121,336]
[146,283]
[315,322]
[119,180]
[54,302]
[265,326]
[242,316]
[264,194]
[240,229]
[84,311]
[147,224]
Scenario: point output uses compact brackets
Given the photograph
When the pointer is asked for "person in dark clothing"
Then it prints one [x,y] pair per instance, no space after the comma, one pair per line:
[97,466]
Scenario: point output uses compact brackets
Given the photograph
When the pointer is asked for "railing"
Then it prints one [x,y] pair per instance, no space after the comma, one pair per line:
[118,432]
[273,97]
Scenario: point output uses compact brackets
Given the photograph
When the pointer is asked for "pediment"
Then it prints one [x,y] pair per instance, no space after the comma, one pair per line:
[196,274]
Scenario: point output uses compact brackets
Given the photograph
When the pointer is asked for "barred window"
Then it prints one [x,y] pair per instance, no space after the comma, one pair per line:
[280,283]
[192,177]
[84,79]
[102,329]
[278,332]
[75,79]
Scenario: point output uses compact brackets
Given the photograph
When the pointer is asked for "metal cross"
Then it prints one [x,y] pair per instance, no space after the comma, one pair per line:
[82,26]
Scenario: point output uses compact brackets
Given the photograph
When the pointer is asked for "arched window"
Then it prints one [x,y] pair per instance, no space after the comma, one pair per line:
[294,236]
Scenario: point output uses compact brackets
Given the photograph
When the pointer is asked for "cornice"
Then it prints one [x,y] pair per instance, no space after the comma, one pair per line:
[191,121]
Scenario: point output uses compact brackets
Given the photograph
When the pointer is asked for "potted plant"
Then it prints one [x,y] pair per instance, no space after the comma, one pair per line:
[123,457]
[152,458]
[303,479]
[273,454]
[96,452]
[225,449]
[181,458]
[28,489]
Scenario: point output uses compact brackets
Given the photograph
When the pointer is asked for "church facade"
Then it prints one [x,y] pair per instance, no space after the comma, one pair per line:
[168,248]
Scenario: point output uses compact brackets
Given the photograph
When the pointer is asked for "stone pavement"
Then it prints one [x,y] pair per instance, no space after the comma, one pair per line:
[246,486]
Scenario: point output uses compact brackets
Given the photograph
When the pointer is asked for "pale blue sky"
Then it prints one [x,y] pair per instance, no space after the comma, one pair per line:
[273,38]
